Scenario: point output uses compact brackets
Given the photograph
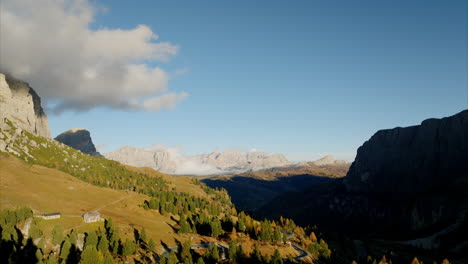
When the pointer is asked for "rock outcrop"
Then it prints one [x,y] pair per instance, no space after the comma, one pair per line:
[79,139]
[406,184]
[400,162]
[20,104]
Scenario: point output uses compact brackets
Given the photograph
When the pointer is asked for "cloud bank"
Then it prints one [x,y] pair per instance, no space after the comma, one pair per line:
[50,44]
[184,164]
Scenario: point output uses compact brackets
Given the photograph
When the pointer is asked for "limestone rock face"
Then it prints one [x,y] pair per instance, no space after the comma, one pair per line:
[20,104]
[173,162]
[159,160]
[79,139]
[328,160]
[406,184]
[240,162]
[403,161]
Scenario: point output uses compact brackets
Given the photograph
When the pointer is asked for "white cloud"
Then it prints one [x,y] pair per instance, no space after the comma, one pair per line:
[184,164]
[50,44]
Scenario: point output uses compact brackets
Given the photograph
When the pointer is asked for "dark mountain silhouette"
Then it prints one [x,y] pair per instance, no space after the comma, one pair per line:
[407,184]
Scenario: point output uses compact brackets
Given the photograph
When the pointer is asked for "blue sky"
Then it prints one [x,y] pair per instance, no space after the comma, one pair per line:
[302,78]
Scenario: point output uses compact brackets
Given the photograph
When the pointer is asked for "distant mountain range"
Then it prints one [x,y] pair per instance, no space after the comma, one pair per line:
[171,161]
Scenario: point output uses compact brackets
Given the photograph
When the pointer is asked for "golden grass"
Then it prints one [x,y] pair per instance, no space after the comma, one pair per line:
[180,183]
[48,190]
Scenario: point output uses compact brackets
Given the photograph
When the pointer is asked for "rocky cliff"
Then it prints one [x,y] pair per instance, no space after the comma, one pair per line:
[138,157]
[172,162]
[20,104]
[406,184]
[79,139]
[233,161]
[402,161]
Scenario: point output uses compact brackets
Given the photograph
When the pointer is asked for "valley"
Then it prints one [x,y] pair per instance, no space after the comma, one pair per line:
[233,132]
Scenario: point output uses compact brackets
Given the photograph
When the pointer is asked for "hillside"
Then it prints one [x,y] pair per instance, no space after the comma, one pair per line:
[45,176]
[252,190]
[407,186]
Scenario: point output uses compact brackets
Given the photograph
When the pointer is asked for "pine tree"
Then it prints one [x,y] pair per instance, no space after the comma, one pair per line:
[151,245]
[39,256]
[172,258]
[256,255]
[34,231]
[65,250]
[200,260]
[143,236]
[129,247]
[232,250]
[89,255]
[277,235]
[91,239]
[215,253]
[185,252]
[312,237]
[57,234]
[162,260]
[276,259]
[103,245]
[72,237]
[108,258]
[184,226]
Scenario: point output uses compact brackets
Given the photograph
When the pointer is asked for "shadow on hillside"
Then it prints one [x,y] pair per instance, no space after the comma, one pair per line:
[249,194]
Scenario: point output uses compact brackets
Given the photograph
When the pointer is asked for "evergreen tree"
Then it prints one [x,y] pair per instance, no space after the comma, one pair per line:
[143,236]
[172,258]
[65,250]
[89,255]
[162,260]
[57,234]
[277,235]
[185,254]
[232,250]
[276,259]
[91,239]
[214,253]
[103,245]
[151,245]
[184,226]
[108,258]
[39,256]
[129,248]
[216,228]
[256,256]
[200,260]
[34,231]
[72,237]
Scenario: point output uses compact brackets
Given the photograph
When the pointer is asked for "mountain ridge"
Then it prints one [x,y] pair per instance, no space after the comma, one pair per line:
[172,162]
[407,184]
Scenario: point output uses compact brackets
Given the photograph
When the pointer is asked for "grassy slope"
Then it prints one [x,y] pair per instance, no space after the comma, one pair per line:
[48,190]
